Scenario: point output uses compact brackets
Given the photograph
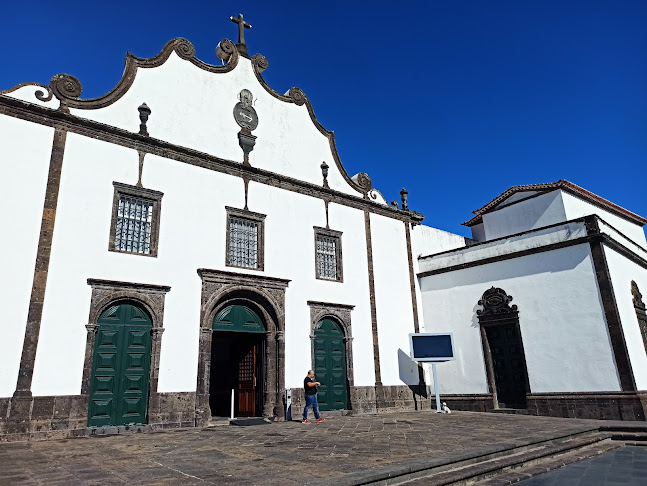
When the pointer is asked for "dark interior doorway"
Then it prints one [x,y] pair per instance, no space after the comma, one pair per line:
[505,359]
[237,363]
[508,364]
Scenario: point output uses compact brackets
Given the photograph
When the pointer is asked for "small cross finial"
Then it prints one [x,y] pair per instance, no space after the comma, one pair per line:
[242,25]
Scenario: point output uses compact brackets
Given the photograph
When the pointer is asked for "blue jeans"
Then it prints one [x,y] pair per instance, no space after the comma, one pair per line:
[311,401]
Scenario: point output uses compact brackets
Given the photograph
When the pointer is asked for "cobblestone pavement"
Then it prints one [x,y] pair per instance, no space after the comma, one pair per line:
[626,466]
[286,453]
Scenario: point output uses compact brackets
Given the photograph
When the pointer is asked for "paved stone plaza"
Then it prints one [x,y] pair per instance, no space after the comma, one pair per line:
[288,453]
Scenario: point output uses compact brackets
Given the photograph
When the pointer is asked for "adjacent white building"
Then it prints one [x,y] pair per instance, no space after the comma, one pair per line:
[545,305]
[193,232]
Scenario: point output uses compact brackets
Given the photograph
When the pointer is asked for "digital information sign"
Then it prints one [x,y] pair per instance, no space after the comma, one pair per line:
[432,347]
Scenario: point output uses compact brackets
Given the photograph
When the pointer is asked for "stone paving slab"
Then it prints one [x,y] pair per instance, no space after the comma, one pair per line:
[287,453]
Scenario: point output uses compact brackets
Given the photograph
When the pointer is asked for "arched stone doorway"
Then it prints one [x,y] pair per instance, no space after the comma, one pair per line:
[238,362]
[330,365]
[119,379]
[147,298]
[265,296]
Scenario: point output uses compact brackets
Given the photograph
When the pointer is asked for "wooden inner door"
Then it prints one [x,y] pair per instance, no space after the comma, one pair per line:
[247,381]
[508,364]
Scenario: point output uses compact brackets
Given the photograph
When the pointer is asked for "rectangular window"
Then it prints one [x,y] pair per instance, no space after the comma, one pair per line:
[328,260]
[135,220]
[245,239]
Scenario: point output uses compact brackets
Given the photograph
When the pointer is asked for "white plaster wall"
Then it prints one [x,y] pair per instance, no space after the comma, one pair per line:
[517,197]
[192,236]
[25,151]
[289,240]
[392,301]
[478,232]
[194,108]
[623,271]
[426,240]
[576,208]
[536,212]
[563,328]
[504,246]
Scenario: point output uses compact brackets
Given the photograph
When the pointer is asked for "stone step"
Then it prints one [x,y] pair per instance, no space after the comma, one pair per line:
[629,436]
[550,464]
[470,466]
[117,430]
[494,467]
[515,411]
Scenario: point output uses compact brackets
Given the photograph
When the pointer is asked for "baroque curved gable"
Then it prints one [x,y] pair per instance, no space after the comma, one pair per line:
[68,90]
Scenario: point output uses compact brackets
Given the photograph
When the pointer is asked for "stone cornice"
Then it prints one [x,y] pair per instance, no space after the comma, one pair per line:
[222,276]
[106,133]
[98,283]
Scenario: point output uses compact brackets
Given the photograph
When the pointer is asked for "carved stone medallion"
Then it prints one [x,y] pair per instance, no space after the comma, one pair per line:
[244,114]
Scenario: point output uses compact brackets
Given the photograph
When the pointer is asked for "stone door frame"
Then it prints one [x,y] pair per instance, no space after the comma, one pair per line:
[497,311]
[264,295]
[150,298]
[340,314]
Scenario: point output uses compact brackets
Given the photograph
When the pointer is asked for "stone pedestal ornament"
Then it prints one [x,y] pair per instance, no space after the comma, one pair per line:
[404,195]
[247,119]
[144,113]
[324,172]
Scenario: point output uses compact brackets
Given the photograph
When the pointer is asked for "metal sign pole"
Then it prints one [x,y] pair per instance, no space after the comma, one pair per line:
[436,387]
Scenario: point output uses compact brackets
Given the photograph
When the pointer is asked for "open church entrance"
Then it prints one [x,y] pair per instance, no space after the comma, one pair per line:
[237,362]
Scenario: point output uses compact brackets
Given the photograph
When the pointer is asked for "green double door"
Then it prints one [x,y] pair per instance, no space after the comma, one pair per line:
[120,367]
[330,366]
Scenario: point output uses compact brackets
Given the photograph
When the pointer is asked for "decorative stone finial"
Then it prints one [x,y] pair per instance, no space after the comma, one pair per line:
[404,195]
[395,204]
[242,25]
[144,112]
[324,172]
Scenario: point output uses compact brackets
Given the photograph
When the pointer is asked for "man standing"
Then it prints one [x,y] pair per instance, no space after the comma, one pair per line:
[310,389]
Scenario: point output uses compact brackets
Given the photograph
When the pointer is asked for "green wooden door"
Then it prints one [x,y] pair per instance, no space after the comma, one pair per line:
[330,366]
[120,367]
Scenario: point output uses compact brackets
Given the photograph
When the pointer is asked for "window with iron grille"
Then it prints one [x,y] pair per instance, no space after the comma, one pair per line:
[328,263]
[135,220]
[245,239]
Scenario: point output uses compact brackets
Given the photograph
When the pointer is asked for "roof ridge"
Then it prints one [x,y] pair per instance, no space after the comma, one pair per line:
[560,184]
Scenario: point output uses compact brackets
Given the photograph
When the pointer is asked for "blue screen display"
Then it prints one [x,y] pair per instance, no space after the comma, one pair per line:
[432,346]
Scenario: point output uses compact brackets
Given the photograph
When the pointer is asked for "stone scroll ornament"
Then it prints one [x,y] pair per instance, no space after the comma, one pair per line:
[363,181]
[247,119]
[496,301]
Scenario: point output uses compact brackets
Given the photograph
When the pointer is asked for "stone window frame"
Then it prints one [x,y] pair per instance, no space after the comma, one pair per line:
[341,314]
[338,253]
[121,189]
[257,218]
[106,293]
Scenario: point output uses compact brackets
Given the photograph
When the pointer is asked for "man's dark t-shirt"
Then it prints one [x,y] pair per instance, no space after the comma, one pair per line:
[309,390]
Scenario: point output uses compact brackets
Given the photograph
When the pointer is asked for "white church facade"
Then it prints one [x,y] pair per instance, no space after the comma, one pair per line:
[193,232]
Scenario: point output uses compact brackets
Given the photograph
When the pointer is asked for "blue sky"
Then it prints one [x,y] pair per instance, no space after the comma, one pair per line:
[454,100]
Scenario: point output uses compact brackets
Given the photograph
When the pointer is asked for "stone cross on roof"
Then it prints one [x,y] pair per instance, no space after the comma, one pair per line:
[242,25]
